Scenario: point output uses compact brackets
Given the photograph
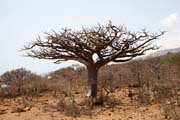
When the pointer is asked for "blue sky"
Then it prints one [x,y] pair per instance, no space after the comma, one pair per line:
[21,21]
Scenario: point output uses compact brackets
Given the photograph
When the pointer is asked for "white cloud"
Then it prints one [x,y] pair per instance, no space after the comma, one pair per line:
[171,21]
[171,24]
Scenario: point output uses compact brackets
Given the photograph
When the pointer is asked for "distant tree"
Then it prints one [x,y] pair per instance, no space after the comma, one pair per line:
[16,76]
[155,65]
[175,59]
[94,47]
[19,77]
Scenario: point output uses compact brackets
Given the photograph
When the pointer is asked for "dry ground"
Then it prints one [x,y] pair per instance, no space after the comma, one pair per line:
[44,108]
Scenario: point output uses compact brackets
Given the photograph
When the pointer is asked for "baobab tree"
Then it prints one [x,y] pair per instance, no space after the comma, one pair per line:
[94,47]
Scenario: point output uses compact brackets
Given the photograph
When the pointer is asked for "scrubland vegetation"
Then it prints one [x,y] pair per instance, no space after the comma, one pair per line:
[139,83]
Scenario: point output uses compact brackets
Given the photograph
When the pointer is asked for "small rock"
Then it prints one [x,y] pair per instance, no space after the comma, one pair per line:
[76,92]
[17,110]
[27,109]
[130,117]
[3,111]
[112,110]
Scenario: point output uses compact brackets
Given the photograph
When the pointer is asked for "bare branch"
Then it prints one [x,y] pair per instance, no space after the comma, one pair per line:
[111,43]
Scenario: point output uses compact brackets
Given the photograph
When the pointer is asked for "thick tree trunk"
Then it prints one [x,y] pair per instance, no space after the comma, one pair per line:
[92,81]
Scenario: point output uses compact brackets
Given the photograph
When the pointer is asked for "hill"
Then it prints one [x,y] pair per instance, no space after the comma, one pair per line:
[164,52]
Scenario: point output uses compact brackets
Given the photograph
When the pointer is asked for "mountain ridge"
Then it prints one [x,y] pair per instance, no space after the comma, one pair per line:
[164,52]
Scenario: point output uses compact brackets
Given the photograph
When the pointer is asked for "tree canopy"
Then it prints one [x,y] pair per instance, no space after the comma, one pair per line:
[111,44]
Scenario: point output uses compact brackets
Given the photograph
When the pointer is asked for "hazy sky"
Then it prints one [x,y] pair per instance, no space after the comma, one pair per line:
[21,21]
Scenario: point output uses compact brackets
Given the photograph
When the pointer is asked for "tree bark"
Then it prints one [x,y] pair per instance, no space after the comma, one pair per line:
[92,81]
